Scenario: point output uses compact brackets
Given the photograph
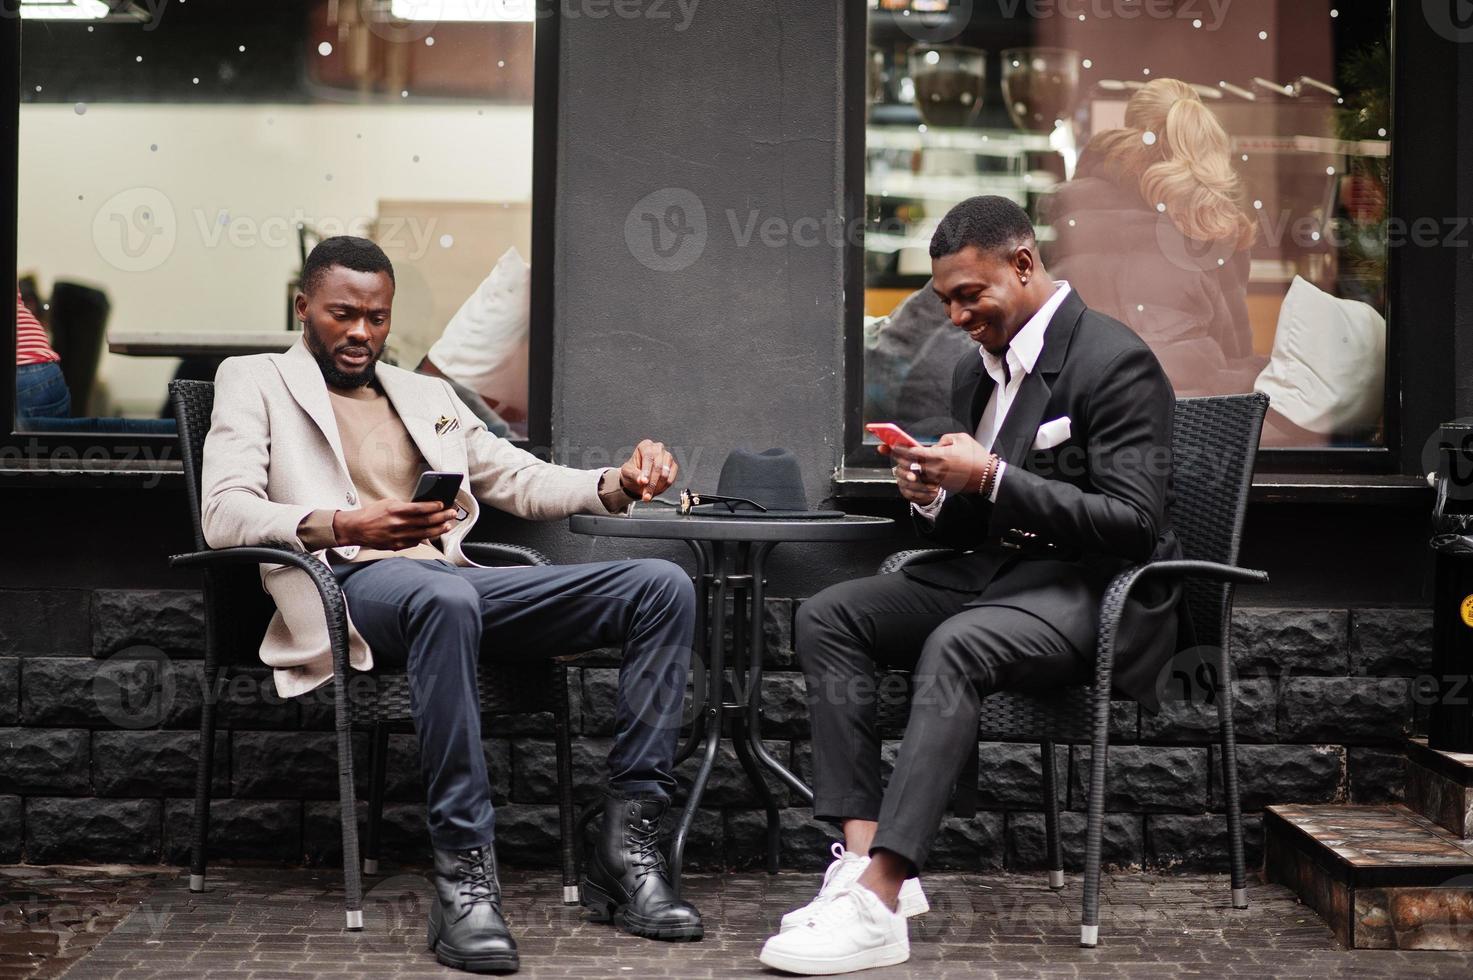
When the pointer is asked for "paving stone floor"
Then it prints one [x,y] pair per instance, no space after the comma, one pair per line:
[260,924]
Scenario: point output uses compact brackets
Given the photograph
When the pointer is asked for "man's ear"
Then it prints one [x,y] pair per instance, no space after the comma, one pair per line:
[299,307]
[1024,263]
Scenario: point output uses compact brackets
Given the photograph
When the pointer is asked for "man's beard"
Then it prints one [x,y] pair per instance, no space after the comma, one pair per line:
[334,376]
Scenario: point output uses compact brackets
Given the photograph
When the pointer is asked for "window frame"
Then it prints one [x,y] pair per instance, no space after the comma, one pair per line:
[27,456]
[1411,411]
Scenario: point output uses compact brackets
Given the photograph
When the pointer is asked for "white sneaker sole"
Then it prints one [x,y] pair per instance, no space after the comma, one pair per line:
[911,903]
[813,966]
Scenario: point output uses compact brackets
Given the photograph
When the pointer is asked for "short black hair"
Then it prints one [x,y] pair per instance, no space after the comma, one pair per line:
[989,223]
[348,251]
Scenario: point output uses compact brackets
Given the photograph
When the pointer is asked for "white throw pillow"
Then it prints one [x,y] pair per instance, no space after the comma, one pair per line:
[484,345]
[1327,372]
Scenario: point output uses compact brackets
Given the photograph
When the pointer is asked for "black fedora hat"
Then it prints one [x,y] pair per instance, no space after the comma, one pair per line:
[771,478]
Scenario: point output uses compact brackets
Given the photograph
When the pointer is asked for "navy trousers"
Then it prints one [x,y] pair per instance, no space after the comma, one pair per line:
[429,617]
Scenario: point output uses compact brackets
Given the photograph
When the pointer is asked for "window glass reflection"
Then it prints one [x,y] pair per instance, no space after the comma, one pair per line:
[1215,176]
[178,160]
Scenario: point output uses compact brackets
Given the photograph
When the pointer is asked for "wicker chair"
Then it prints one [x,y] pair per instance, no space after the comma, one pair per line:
[1214,449]
[237,610]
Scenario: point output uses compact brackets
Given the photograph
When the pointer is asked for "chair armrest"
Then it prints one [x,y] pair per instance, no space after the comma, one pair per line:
[901,559]
[1112,606]
[253,555]
[1190,568]
[495,553]
[328,588]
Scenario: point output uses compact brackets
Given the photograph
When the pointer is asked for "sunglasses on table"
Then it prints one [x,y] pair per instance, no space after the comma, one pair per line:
[690,498]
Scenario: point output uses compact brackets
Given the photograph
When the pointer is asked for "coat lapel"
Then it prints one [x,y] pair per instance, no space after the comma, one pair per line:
[1021,426]
[1018,429]
[304,380]
[411,404]
[971,387]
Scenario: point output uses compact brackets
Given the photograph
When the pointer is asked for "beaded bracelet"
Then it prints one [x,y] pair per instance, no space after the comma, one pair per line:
[989,471]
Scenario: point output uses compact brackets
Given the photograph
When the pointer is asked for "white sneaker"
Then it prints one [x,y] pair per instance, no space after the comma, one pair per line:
[843,872]
[851,931]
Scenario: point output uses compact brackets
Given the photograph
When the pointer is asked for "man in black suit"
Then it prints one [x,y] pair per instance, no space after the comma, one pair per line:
[1059,477]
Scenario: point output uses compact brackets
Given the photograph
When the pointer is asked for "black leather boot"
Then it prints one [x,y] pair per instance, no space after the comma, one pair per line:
[466,927]
[627,882]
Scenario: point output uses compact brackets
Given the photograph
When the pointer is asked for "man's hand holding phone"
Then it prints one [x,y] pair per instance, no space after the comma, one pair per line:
[955,464]
[391,525]
[903,450]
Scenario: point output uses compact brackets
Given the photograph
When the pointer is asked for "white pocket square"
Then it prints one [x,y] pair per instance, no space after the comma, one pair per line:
[1051,434]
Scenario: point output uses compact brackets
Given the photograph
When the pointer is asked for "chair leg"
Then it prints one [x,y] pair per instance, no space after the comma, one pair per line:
[1089,927]
[378,775]
[348,797]
[1239,877]
[1051,816]
[964,803]
[565,786]
[204,776]
[580,832]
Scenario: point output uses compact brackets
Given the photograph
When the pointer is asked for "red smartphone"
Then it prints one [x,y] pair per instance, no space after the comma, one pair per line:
[891,434]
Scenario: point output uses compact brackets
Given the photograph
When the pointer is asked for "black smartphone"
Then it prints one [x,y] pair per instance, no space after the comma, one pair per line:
[440,487]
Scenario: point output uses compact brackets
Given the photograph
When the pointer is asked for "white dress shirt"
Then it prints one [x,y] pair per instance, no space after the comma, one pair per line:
[1022,355]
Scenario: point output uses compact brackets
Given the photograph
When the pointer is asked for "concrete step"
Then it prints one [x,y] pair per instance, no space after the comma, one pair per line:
[1439,786]
[1383,877]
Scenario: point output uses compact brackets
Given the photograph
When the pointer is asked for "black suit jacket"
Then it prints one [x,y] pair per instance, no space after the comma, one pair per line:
[1101,497]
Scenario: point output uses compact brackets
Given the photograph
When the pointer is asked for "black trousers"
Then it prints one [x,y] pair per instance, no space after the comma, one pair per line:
[958,654]
[429,617]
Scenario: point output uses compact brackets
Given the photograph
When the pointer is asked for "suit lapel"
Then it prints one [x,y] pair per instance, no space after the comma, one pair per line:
[1016,436]
[304,380]
[970,388]
[410,402]
[1018,430]
[982,391]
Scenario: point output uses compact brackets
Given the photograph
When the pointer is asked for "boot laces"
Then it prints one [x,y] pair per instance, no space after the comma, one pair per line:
[477,878]
[645,839]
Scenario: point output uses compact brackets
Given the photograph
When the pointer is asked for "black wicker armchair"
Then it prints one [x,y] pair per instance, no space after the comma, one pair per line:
[237,611]
[1214,449]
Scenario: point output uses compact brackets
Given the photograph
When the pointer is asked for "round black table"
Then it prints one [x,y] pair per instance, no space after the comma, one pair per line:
[731,555]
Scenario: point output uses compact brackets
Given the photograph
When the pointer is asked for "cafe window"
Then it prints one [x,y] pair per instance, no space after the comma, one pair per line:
[177,161]
[1216,176]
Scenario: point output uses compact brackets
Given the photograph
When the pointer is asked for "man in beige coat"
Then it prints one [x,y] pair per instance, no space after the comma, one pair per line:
[319,450]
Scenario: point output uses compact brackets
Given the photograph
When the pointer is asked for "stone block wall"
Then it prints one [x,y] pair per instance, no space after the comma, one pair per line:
[100,693]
